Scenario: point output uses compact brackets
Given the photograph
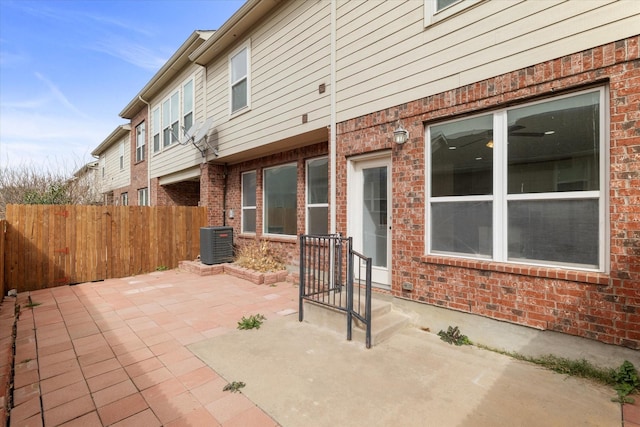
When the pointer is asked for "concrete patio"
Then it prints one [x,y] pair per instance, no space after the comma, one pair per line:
[157,349]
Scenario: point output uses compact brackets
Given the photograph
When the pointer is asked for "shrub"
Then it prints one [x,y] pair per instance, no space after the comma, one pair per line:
[258,255]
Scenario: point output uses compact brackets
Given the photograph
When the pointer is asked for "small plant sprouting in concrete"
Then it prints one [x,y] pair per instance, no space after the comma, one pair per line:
[251,322]
[454,336]
[234,387]
[626,382]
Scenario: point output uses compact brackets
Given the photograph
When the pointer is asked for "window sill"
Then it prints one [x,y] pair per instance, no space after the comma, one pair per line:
[521,269]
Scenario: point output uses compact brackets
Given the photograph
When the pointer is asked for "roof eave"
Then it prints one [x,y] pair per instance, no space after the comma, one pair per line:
[172,67]
[239,23]
[117,134]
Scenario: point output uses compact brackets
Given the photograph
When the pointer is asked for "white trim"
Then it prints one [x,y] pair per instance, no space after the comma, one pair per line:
[243,207]
[308,205]
[500,196]
[432,16]
[264,200]
[245,46]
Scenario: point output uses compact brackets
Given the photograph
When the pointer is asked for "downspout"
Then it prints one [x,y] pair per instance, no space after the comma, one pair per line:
[147,154]
[224,196]
[333,131]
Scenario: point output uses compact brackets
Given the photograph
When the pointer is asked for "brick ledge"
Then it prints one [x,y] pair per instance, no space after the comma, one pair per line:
[520,269]
[253,276]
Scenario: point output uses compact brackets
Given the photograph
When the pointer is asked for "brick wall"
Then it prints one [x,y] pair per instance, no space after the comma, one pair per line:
[604,307]
[184,193]
[213,181]
[139,170]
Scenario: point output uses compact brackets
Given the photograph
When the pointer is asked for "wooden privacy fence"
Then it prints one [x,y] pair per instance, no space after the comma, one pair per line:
[54,245]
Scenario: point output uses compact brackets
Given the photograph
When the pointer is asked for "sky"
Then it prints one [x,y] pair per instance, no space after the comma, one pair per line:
[69,67]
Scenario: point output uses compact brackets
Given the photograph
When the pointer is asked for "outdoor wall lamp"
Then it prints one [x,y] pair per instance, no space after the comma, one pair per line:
[400,135]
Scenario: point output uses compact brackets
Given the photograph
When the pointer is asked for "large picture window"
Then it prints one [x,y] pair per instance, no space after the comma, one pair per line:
[318,196]
[239,79]
[523,184]
[280,197]
[249,202]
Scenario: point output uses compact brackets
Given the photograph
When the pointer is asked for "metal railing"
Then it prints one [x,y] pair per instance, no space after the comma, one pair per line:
[334,275]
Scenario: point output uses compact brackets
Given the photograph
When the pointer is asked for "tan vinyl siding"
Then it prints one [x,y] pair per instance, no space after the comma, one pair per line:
[115,177]
[177,157]
[290,54]
[387,57]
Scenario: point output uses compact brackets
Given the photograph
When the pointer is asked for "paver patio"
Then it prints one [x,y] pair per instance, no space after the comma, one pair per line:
[116,353]
[113,352]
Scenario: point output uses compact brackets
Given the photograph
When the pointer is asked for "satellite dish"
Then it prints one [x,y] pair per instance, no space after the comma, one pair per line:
[203,130]
[187,134]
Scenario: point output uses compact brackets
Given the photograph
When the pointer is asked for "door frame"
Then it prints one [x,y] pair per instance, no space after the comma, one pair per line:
[381,278]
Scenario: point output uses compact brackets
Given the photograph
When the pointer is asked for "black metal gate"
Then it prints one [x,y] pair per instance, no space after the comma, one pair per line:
[331,274]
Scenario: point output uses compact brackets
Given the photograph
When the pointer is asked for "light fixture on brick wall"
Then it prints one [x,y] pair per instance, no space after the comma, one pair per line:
[400,135]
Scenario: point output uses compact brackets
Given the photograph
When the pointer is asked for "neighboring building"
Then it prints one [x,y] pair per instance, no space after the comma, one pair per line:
[516,195]
[87,184]
[114,167]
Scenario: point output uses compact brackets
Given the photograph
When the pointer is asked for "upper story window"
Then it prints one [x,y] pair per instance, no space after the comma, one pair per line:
[437,10]
[249,202]
[155,119]
[140,141]
[174,115]
[187,105]
[239,91]
[121,155]
[124,197]
[524,184]
[170,119]
[280,200]
[318,196]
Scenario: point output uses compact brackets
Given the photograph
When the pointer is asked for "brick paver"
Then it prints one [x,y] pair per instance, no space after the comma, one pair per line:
[114,352]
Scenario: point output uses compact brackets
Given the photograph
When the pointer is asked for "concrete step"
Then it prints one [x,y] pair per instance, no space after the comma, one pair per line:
[385,320]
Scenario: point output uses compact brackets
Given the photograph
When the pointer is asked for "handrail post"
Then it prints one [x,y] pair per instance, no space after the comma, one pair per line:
[349,288]
[301,279]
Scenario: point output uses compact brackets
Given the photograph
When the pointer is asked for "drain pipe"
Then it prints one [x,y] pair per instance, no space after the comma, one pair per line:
[224,196]
[333,132]
[148,148]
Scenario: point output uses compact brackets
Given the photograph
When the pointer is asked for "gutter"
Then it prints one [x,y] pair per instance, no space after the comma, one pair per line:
[146,133]
[333,118]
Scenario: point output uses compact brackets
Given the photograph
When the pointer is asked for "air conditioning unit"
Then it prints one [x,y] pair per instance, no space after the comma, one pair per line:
[216,245]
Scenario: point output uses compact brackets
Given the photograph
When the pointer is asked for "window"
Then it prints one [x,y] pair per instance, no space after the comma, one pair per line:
[143,197]
[239,79]
[155,117]
[103,162]
[121,155]
[171,119]
[525,184]
[318,196]
[249,202]
[140,141]
[280,197]
[124,197]
[187,106]
[437,10]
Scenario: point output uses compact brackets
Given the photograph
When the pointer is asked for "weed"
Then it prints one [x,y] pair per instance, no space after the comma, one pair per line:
[258,255]
[251,322]
[626,382]
[454,336]
[234,387]
[162,268]
[30,303]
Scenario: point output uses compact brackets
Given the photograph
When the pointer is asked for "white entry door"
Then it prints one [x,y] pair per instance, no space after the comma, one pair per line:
[369,210]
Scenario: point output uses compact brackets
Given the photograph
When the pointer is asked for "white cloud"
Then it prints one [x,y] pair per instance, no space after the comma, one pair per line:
[58,95]
[133,53]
